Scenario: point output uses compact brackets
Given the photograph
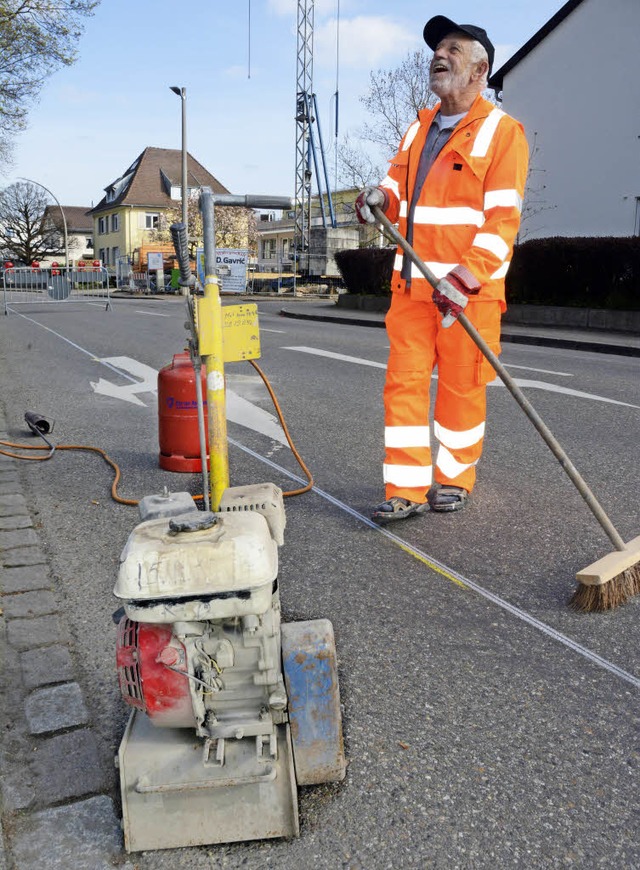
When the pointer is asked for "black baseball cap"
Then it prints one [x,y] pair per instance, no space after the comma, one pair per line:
[438,27]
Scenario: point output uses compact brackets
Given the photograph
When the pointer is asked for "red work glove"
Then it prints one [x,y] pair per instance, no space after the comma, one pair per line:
[452,293]
[370,196]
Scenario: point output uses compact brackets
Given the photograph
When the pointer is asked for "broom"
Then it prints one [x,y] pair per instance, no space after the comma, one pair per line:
[615,578]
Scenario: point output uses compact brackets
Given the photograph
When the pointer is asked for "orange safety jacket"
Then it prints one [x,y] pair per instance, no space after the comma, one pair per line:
[468,212]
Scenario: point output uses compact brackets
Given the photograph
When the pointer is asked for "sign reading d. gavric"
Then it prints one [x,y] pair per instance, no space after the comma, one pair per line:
[231,268]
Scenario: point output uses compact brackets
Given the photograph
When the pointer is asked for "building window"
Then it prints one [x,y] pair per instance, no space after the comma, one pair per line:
[151,221]
[115,254]
[104,254]
[268,249]
[286,249]
[89,243]
[115,223]
[103,225]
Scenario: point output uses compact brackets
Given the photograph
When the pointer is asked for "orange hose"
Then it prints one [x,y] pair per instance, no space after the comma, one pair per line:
[276,405]
[98,450]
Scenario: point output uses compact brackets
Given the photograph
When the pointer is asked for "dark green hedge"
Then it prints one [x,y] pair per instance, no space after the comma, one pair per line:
[366,270]
[572,272]
[576,272]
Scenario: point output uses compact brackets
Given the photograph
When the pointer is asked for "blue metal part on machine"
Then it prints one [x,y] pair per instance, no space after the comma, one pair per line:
[311,677]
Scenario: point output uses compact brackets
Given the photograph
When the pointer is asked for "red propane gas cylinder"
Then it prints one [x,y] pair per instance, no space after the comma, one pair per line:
[178,415]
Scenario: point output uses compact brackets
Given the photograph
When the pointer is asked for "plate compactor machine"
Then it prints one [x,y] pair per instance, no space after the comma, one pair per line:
[233,709]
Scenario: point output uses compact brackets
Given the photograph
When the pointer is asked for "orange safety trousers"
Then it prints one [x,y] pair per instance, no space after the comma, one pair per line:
[419,344]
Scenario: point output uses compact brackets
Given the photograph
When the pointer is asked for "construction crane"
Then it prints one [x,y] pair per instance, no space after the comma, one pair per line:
[310,155]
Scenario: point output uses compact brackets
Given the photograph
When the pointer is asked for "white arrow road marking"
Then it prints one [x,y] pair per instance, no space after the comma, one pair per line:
[247,414]
[128,392]
[521,382]
[239,410]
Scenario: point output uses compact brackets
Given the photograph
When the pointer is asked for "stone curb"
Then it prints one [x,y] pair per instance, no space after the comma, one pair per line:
[595,343]
[55,797]
[592,319]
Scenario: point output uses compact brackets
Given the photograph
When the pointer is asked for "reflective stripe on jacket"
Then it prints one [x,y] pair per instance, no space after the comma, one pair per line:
[468,212]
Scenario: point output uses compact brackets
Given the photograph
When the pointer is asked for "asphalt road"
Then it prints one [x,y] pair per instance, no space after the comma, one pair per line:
[486,724]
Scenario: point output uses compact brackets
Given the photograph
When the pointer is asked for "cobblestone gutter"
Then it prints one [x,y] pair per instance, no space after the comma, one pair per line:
[55,809]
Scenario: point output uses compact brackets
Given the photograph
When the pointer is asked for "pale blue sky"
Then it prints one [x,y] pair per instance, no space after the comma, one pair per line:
[95,117]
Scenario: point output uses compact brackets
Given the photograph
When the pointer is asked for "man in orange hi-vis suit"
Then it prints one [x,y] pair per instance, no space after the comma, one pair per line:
[455,189]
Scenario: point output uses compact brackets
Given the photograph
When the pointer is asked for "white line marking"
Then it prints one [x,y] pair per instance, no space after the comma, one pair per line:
[564,391]
[279,331]
[315,351]
[151,313]
[521,382]
[359,361]
[588,654]
[540,371]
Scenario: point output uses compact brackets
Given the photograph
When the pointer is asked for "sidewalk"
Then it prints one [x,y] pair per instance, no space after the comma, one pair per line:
[571,338]
[55,804]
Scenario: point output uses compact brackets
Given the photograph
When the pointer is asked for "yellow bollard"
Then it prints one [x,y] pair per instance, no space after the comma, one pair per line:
[211,349]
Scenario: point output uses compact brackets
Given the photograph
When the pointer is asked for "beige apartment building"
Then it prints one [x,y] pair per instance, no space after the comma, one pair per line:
[127,218]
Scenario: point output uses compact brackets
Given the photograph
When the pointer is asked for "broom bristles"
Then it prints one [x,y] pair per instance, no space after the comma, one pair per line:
[607,596]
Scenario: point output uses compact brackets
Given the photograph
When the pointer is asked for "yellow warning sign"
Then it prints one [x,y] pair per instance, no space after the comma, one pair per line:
[240,331]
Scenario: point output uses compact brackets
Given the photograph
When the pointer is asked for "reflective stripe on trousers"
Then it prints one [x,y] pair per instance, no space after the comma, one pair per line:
[419,344]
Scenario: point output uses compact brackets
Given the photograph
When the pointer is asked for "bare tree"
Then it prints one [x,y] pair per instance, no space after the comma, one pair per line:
[23,235]
[535,200]
[236,228]
[356,167]
[36,38]
[394,99]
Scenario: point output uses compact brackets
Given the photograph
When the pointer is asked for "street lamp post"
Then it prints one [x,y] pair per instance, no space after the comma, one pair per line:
[182,93]
[64,220]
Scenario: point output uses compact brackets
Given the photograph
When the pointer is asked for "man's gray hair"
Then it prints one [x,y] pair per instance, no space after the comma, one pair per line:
[478,54]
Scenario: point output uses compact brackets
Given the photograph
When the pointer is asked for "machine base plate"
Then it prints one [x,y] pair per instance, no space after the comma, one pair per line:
[170,798]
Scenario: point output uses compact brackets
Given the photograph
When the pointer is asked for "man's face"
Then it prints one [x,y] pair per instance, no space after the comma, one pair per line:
[452,67]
